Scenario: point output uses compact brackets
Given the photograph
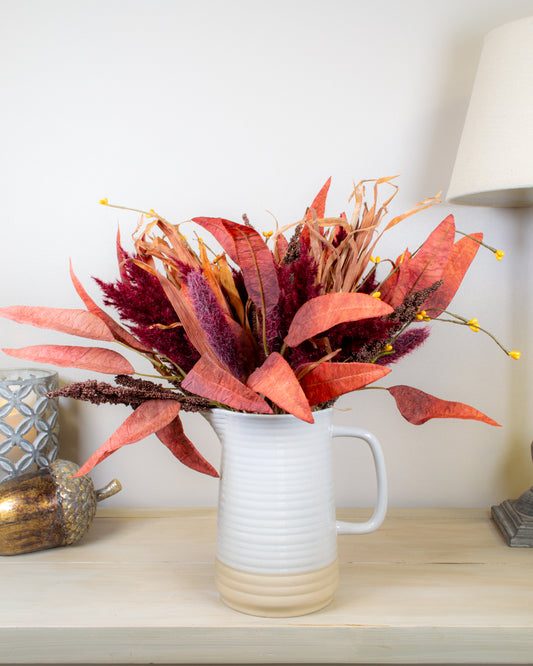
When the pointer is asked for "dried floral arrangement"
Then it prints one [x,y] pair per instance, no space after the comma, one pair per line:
[271,324]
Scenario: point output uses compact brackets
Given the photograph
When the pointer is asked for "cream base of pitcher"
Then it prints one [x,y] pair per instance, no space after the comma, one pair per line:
[273,595]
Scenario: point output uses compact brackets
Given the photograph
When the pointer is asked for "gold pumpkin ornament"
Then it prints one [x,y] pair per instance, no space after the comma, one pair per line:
[48,508]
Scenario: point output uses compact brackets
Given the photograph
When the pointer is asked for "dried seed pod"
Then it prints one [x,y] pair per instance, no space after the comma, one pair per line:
[48,508]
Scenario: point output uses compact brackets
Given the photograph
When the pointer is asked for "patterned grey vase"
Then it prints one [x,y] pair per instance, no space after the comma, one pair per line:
[29,421]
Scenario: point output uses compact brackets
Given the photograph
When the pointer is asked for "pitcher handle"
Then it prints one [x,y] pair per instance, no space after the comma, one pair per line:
[344,527]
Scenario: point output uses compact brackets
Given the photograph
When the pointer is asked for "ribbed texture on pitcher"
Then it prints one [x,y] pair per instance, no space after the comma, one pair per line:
[276,511]
[271,595]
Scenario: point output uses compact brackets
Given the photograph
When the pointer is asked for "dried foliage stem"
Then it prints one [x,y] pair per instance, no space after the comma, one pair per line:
[473,324]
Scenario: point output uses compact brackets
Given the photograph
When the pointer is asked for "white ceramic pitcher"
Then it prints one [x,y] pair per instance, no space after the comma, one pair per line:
[276,553]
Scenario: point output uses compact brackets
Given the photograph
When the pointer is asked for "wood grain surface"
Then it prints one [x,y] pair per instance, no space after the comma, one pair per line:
[431,586]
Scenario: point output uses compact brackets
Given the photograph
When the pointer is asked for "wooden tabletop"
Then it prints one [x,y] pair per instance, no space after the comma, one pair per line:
[430,586]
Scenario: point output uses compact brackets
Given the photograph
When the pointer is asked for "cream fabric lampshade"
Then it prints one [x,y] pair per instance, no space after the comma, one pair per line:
[494,164]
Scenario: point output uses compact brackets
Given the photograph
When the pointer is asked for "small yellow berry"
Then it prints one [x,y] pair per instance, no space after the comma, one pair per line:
[499,254]
[268,234]
[473,325]
[376,260]
[104,202]
[376,294]
[388,348]
[515,354]
[427,318]
[421,315]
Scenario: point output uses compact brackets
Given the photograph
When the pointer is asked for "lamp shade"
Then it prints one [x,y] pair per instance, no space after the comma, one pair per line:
[494,164]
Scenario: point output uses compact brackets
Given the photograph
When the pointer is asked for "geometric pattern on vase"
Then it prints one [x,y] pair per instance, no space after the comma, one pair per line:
[29,421]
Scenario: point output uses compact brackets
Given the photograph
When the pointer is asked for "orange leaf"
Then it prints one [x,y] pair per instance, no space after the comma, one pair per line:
[180,445]
[323,312]
[87,358]
[228,282]
[212,277]
[319,203]
[256,263]
[418,407]
[210,380]
[276,380]
[74,322]
[151,416]
[461,257]
[119,333]
[328,381]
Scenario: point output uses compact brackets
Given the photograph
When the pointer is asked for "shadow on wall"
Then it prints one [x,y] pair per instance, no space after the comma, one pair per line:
[69,440]
[517,470]
[454,93]
[450,112]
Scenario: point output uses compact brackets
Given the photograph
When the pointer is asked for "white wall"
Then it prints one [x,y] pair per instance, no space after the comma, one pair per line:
[221,108]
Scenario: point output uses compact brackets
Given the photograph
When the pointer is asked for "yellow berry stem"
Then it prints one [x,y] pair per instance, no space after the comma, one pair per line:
[150,213]
[385,352]
[463,321]
[498,253]
[201,241]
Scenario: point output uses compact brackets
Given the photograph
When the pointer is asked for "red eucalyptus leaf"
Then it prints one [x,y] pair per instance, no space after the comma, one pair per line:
[425,267]
[119,333]
[328,381]
[319,203]
[461,257]
[276,380]
[322,312]
[210,380]
[180,445]
[418,407]
[305,238]
[87,358]
[74,322]
[151,416]
[395,281]
[281,247]
[216,227]
[429,263]
[256,263]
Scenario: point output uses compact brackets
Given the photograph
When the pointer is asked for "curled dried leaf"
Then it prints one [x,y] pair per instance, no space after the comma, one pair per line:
[276,380]
[150,417]
[210,380]
[95,359]
[328,381]
[418,407]
[74,322]
[180,445]
[323,312]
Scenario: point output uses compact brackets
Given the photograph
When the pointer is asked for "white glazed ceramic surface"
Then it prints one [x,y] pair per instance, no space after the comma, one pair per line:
[276,512]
